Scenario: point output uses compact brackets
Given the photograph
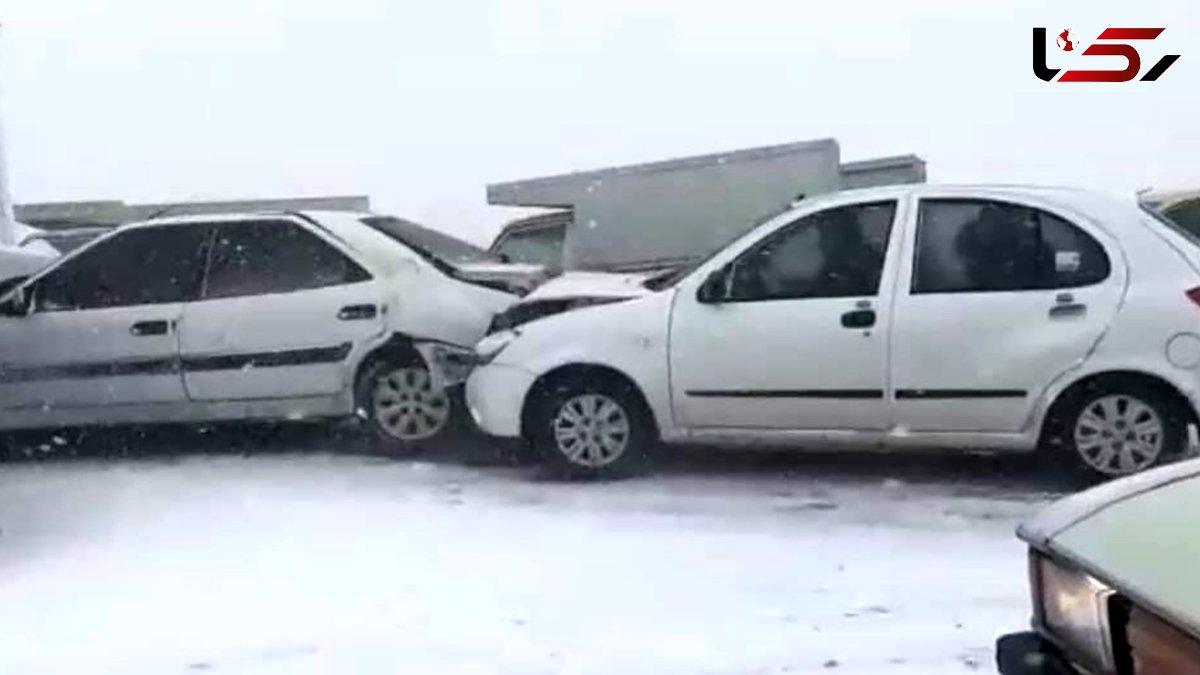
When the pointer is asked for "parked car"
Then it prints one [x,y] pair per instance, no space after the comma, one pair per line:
[1110,571]
[272,315]
[915,316]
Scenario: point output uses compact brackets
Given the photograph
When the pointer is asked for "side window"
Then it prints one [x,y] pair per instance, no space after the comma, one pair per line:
[831,254]
[139,266]
[973,246]
[274,256]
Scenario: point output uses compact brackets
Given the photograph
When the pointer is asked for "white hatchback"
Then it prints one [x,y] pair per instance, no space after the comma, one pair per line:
[993,318]
[268,315]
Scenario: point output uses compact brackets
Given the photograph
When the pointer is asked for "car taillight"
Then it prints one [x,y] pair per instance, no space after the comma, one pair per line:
[1194,295]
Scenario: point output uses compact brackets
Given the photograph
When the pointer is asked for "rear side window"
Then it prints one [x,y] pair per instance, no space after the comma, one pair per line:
[979,246]
[138,266]
[274,256]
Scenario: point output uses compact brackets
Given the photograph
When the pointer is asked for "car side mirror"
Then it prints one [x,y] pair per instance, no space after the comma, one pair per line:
[714,290]
[16,303]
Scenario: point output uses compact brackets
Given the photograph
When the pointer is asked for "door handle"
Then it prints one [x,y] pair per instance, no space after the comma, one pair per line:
[1068,309]
[859,318]
[357,313]
[149,328]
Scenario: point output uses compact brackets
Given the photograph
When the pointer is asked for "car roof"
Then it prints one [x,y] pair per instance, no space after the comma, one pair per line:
[247,215]
[1056,192]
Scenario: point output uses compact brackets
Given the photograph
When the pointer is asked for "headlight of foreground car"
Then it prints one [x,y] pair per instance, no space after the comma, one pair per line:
[1074,610]
[490,347]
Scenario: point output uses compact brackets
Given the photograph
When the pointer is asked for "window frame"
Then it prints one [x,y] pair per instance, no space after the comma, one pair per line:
[316,231]
[789,228]
[33,285]
[914,259]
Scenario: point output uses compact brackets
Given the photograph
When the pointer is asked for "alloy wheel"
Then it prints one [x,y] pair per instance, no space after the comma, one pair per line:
[407,406]
[1119,435]
[591,430]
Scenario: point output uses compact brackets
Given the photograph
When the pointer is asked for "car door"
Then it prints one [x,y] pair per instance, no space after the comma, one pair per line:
[99,330]
[797,337]
[999,298]
[280,312]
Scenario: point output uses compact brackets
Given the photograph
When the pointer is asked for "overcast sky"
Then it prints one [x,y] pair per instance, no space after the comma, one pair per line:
[420,104]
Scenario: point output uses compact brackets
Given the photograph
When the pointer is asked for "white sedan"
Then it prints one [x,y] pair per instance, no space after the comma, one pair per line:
[916,316]
[269,315]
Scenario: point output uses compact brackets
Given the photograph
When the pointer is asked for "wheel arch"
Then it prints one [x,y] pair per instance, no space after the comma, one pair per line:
[542,386]
[400,348]
[1051,423]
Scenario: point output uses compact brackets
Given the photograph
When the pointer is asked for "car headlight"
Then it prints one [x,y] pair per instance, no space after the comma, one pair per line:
[490,347]
[1073,607]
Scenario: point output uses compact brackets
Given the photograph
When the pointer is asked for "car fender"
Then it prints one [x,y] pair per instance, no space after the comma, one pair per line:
[426,305]
[1182,380]
[629,337]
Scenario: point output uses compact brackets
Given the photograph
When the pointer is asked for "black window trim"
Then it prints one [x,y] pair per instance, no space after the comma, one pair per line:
[916,249]
[782,230]
[299,220]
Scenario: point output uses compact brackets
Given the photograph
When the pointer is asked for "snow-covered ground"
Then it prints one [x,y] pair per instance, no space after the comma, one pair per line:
[316,562]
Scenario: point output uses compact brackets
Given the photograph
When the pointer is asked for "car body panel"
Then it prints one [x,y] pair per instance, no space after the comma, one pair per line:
[1007,346]
[67,359]
[715,384]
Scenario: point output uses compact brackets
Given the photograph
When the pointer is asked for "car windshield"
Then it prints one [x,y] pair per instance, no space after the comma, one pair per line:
[671,277]
[429,243]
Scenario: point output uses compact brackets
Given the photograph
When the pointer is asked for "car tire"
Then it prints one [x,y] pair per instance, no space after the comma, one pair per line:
[592,428]
[1121,428]
[402,413]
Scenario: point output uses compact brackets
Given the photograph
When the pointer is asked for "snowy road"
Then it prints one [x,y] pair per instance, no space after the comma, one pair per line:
[290,562]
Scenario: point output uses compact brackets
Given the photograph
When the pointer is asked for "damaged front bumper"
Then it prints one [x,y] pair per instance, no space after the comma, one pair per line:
[449,365]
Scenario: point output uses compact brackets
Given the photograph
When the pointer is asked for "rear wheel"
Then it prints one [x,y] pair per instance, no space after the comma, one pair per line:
[404,412]
[594,427]
[1123,428]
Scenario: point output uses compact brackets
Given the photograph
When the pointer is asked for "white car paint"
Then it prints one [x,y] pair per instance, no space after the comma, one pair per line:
[986,344]
[231,357]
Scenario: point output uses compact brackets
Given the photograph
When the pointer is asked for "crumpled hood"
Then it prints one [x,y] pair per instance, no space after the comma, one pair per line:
[520,277]
[570,291]
[1139,532]
[591,285]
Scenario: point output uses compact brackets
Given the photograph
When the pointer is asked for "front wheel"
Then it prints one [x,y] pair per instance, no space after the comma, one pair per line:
[593,428]
[1121,430]
[404,412]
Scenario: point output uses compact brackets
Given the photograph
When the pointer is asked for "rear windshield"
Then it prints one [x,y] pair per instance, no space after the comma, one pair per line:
[1190,231]
[438,247]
